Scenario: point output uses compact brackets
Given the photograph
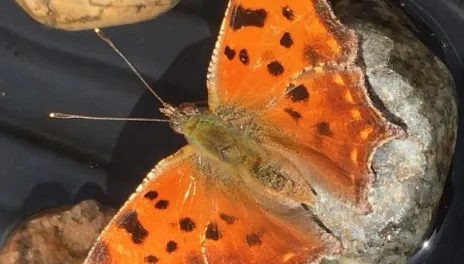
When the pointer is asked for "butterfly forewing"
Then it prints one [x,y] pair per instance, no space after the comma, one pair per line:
[179,215]
[263,44]
[160,222]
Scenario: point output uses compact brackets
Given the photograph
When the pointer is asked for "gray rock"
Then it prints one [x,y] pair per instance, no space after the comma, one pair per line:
[410,174]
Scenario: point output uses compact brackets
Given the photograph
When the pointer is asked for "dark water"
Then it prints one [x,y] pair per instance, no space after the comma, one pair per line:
[46,163]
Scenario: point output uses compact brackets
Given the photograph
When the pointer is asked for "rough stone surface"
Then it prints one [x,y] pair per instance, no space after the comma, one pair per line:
[57,236]
[89,14]
[410,174]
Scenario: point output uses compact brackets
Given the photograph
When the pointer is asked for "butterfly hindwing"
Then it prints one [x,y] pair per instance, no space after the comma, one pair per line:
[328,120]
[246,232]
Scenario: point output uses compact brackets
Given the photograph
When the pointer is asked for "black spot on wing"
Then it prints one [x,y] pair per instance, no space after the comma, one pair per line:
[243,56]
[253,239]
[99,254]
[151,259]
[323,128]
[151,195]
[242,17]
[229,52]
[171,246]
[293,114]
[130,222]
[275,68]
[212,232]
[286,40]
[229,219]
[298,94]
[186,224]
[162,204]
[288,13]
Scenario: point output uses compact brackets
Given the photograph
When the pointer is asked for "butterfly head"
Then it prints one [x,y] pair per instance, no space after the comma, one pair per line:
[181,117]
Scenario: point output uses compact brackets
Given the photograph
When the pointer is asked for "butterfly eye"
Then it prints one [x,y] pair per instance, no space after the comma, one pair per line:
[188,109]
[177,127]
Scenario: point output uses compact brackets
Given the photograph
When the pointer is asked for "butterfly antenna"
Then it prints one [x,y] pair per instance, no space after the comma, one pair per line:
[71,116]
[111,44]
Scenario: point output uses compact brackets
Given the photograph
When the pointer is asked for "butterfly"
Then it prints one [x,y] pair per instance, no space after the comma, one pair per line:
[288,116]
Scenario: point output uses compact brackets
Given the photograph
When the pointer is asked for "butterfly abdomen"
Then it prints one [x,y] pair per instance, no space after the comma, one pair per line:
[280,182]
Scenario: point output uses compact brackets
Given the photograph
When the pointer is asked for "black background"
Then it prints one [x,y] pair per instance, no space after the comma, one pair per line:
[47,162]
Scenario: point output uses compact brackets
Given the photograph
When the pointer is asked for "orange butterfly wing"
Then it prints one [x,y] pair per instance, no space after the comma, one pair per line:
[147,229]
[292,66]
[178,215]
[263,44]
